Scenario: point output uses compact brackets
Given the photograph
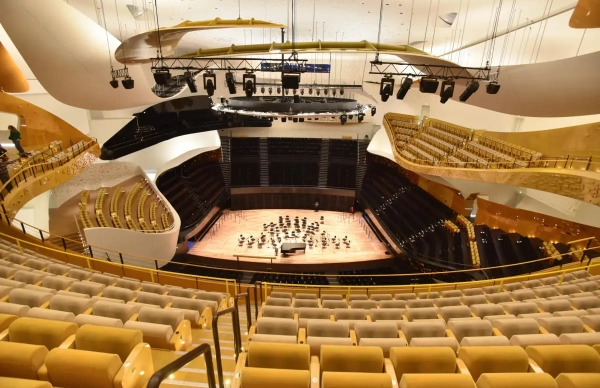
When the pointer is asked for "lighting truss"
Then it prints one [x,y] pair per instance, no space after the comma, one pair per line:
[434,71]
[120,73]
[291,65]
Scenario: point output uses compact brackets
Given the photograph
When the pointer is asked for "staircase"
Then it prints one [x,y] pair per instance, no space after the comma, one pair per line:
[324,163]
[226,160]
[264,162]
[361,163]
[72,242]
[194,373]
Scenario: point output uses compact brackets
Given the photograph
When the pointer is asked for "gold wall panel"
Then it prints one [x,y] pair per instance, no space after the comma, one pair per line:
[39,127]
[530,223]
[576,140]
[12,79]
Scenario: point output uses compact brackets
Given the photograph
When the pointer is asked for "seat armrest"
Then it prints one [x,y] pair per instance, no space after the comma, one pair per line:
[4,335]
[440,317]
[534,367]
[206,318]
[251,333]
[403,336]
[168,305]
[587,329]
[134,317]
[140,359]
[404,318]
[315,372]
[389,369]
[43,373]
[134,299]
[332,318]
[474,315]
[449,333]
[369,318]
[540,310]
[353,338]
[68,343]
[497,332]
[295,316]
[45,305]
[165,293]
[543,330]
[4,299]
[66,289]
[38,283]
[88,311]
[236,382]
[302,335]
[461,367]
[182,338]
[260,314]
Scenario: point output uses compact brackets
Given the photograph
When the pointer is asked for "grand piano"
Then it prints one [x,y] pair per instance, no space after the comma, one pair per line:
[287,248]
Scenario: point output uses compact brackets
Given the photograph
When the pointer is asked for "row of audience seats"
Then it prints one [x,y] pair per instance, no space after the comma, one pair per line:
[293,365]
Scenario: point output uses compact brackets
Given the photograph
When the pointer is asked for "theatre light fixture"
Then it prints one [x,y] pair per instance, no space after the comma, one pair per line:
[472,87]
[230,81]
[492,88]
[447,91]
[210,82]
[428,85]
[386,87]
[249,81]
[189,79]
[404,88]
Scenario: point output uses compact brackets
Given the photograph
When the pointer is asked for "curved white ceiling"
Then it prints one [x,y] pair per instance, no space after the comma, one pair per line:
[566,87]
[68,54]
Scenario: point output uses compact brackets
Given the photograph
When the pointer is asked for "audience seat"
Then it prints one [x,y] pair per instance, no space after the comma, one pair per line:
[350,315]
[427,360]
[48,333]
[387,315]
[470,328]
[29,298]
[555,360]
[24,361]
[424,380]
[23,383]
[422,313]
[279,330]
[511,327]
[270,377]
[560,325]
[88,288]
[525,340]
[355,380]
[321,332]
[419,329]
[380,334]
[521,380]
[306,314]
[54,315]
[578,380]
[494,359]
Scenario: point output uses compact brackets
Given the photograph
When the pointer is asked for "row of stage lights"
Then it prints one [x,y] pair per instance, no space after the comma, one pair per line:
[430,85]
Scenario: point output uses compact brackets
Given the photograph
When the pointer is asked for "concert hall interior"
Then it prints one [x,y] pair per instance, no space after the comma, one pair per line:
[300,193]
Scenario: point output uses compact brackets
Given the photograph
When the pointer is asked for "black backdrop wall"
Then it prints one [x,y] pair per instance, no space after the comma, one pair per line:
[291,198]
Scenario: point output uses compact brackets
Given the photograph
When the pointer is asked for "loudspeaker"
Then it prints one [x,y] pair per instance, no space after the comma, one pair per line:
[428,85]
[296,99]
[114,83]
[290,81]
[127,83]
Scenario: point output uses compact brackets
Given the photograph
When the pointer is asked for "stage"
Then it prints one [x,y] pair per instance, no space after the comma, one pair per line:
[224,240]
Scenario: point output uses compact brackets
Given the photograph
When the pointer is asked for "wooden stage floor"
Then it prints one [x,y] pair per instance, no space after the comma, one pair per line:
[221,241]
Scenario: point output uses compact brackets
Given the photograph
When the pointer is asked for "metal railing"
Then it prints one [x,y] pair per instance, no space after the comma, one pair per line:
[237,338]
[248,313]
[163,373]
[35,170]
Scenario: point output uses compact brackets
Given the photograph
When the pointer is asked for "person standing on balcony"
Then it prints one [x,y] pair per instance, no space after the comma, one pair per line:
[15,136]
[4,163]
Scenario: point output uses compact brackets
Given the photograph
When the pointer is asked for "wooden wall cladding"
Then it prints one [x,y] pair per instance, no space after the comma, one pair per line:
[530,223]
[12,79]
[39,127]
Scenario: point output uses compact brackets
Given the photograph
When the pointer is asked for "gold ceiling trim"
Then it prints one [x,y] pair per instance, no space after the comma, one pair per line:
[586,14]
[306,47]
[140,48]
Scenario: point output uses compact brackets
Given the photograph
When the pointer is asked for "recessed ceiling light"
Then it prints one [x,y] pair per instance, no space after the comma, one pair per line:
[448,18]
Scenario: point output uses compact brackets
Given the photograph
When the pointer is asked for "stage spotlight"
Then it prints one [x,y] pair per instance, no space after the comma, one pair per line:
[472,87]
[189,79]
[270,90]
[447,91]
[249,82]
[114,83]
[278,90]
[373,111]
[210,82]
[127,83]
[343,119]
[262,89]
[334,92]
[283,119]
[318,92]
[325,91]
[341,91]
[162,76]
[310,91]
[492,88]
[428,85]
[350,117]
[302,92]
[361,117]
[386,87]
[230,81]
[404,88]
[286,91]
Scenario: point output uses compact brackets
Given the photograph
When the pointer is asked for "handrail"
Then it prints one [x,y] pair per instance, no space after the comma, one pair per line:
[60,162]
[248,314]
[164,372]
[237,339]
[155,261]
